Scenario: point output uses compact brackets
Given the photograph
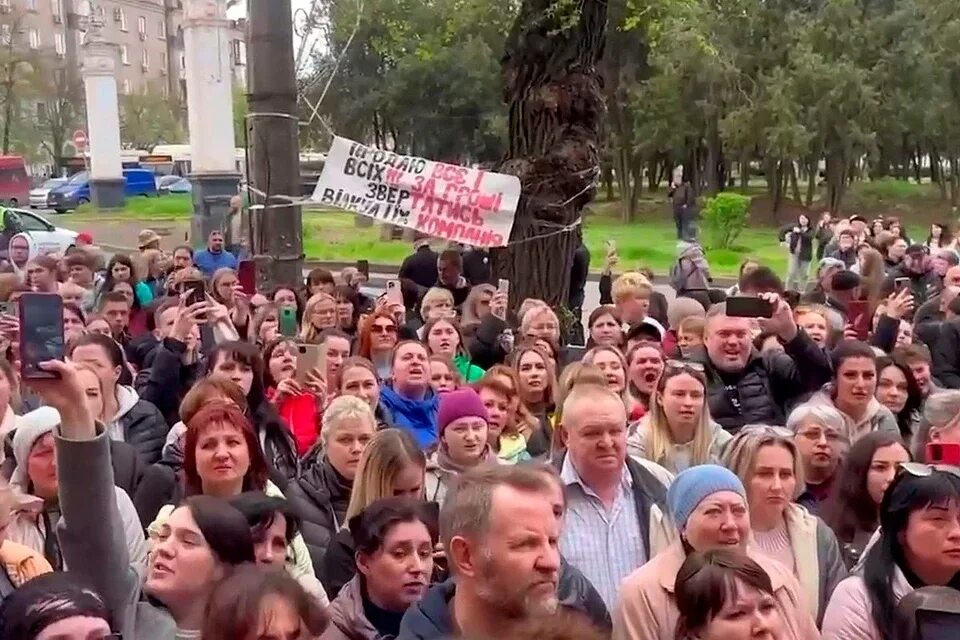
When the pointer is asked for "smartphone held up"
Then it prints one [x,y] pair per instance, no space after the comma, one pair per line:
[41,333]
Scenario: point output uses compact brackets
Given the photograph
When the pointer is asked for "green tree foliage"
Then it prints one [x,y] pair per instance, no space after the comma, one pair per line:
[147,119]
[419,77]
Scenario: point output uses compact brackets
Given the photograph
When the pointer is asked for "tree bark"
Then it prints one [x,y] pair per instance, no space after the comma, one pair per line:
[836,181]
[554,94]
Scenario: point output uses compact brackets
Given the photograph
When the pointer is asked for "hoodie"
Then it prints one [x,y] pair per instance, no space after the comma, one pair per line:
[430,618]
[138,423]
[418,417]
[876,418]
[692,271]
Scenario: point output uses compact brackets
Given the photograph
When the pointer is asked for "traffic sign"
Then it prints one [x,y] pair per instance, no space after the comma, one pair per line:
[80,139]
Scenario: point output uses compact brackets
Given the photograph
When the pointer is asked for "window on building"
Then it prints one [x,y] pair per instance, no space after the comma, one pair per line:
[31,5]
[6,34]
[125,86]
[163,29]
[165,90]
[56,8]
[145,59]
[142,26]
[163,62]
[60,44]
[124,54]
[122,18]
[34,37]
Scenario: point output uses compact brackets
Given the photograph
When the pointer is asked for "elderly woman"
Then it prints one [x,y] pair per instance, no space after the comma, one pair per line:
[436,303]
[821,441]
[321,494]
[769,466]
[709,506]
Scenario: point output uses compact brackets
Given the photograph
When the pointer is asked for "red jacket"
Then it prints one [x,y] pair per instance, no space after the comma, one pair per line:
[300,412]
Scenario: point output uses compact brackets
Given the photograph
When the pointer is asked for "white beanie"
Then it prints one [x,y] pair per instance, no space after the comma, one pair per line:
[29,428]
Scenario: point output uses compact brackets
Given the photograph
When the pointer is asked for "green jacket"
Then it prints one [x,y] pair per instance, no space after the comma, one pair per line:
[469,371]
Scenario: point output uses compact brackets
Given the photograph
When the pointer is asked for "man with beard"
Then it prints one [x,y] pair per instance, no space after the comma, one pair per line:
[748,387]
[500,535]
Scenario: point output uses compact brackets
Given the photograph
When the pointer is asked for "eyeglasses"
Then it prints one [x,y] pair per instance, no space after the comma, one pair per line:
[383,328]
[922,470]
[683,364]
[814,435]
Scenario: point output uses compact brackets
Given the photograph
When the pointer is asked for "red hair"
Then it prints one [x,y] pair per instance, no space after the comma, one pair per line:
[219,412]
[365,339]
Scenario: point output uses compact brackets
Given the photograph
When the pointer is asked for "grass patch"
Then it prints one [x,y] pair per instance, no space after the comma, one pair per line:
[169,207]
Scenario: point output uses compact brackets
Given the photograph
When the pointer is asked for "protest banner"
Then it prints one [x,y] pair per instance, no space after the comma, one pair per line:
[470,206]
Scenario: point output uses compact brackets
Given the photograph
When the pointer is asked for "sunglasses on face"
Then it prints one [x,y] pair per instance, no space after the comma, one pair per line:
[380,328]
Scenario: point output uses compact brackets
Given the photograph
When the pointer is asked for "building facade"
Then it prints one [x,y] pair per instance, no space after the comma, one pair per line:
[149,34]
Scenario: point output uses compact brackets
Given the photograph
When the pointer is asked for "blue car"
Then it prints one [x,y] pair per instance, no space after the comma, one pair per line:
[138,182]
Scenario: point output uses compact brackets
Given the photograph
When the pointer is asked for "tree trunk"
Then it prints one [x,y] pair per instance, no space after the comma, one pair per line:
[608,181]
[713,158]
[794,182]
[7,114]
[836,181]
[744,171]
[553,90]
[811,181]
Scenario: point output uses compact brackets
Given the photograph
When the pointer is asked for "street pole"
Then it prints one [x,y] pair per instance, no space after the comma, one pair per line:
[213,171]
[274,148]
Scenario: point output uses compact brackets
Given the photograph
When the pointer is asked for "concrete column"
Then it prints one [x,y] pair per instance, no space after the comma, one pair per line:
[103,120]
[206,34]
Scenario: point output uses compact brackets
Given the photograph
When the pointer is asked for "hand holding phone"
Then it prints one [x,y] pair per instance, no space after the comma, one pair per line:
[749,307]
[41,334]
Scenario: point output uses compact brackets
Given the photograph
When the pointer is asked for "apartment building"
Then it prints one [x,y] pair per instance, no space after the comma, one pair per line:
[148,32]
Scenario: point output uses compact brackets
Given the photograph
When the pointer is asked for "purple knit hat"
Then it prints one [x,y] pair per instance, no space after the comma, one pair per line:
[462,403]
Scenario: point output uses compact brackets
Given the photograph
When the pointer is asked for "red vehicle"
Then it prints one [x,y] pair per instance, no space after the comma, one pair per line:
[14,182]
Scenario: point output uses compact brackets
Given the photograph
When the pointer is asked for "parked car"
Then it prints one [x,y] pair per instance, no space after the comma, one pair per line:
[138,182]
[173,184]
[14,182]
[40,197]
[43,236]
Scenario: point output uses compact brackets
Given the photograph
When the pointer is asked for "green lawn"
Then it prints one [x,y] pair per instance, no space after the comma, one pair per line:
[169,207]
[648,242]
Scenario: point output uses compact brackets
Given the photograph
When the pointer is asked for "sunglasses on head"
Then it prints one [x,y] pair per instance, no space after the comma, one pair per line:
[685,365]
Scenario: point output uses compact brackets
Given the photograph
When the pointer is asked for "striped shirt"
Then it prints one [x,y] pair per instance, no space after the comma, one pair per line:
[605,545]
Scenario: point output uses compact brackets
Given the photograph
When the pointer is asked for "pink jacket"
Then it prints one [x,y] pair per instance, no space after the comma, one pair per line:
[647,609]
[849,614]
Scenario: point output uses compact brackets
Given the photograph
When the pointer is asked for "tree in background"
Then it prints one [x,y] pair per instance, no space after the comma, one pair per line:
[553,89]
[147,120]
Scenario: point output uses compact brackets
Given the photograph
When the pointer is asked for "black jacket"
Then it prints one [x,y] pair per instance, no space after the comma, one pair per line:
[168,379]
[946,355]
[280,449]
[430,618]
[766,390]
[579,272]
[320,497]
[420,267]
[484,343]
[338,565]
[145,429]
[800,243]
[476,266]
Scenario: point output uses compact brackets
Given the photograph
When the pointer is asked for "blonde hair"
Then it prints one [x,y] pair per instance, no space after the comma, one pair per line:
[431,298]
[471,318]
[308,332]
[740,454]
[660,437]
[525,423]
[535,312]
[575,374]
[628,400]
[345,408]
[631,284]
[693,324]
[383,459]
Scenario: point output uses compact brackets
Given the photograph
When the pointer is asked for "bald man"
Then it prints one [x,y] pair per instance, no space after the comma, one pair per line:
[615,504]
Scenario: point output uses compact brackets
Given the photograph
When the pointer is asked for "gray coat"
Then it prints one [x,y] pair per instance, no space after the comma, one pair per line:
[347,618]
[92,541]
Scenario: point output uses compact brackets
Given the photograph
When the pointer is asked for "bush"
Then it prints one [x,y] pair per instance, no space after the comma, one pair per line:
[724,217]
[887,189]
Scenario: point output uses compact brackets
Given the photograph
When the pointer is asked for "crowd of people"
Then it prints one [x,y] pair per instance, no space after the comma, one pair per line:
[317,462]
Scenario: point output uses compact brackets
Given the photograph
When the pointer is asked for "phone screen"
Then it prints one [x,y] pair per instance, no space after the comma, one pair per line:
[504,287]
[247,276]
[197,291]
[748,307]
[41,333]
[288,322]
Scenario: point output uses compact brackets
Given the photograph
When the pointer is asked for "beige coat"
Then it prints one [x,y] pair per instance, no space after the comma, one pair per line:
[647,609]
[849,615]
